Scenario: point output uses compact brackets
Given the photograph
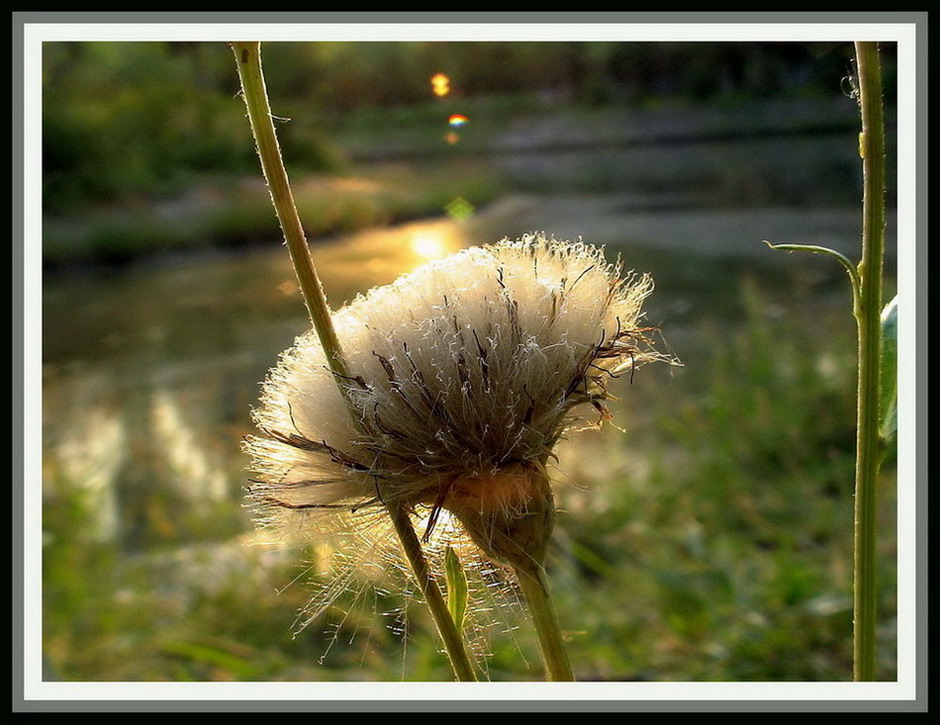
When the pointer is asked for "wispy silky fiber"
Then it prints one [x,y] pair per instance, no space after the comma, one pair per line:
[464,374]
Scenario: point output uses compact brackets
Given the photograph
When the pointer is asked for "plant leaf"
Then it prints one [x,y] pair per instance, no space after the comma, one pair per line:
[841,258]
[456,587]
[888,405]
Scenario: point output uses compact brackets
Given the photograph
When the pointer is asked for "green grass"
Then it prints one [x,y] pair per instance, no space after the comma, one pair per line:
[710,541]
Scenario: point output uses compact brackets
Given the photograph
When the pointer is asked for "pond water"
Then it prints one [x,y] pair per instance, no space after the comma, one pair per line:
[150,371]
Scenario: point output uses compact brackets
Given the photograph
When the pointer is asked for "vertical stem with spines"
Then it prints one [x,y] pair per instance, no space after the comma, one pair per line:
[248,62]
[868,315]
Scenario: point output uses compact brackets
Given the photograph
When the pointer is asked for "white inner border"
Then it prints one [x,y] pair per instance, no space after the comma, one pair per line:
[902,34]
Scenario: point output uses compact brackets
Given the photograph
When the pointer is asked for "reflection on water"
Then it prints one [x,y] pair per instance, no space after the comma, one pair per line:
[197,476]
[87,449]
[150,375]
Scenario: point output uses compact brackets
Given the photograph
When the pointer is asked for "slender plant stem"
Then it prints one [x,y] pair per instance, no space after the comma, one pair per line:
[535,590]
[453,643]
[868,315]
[248,61]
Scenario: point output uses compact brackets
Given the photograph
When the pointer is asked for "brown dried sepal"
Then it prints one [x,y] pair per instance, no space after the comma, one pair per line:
[509,513]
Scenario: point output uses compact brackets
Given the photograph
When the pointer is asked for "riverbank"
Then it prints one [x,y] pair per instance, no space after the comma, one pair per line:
[406,168]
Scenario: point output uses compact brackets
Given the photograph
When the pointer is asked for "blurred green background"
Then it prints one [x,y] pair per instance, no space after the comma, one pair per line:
[708,540]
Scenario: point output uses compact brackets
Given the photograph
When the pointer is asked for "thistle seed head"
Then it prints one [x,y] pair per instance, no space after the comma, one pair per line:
[464,374]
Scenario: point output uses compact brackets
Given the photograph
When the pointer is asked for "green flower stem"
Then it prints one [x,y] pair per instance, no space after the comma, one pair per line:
[868,315]
[866,281]
[453,642]
[535,590]
[248,61]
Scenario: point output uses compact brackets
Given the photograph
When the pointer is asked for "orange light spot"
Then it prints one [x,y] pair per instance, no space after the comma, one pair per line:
[440,84]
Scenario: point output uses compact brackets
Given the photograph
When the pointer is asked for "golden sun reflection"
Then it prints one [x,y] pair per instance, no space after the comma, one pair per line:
[378,256]
[429,247]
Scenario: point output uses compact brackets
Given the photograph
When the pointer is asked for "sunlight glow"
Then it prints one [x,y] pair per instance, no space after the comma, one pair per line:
[429,247]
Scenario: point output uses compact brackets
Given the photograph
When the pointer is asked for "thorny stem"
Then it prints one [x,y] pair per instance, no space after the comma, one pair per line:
[248,61]
[535,590]
[868,316]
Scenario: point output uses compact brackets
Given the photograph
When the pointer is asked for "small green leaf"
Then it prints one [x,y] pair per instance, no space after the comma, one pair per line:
[456,587]
[841,258]
[889,372]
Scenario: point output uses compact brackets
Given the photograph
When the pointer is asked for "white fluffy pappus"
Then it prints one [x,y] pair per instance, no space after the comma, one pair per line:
[464,374]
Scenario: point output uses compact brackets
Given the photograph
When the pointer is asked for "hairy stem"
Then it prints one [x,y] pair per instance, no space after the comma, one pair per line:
[248,61]
[453,643]
[868,315]
[535,590]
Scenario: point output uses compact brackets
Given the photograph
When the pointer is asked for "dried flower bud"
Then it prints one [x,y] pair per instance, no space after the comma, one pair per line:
[465,373]
[508,513]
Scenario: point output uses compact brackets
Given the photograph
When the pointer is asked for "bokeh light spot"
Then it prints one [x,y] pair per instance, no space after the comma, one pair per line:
[459,209]
[440,84]
[288,287]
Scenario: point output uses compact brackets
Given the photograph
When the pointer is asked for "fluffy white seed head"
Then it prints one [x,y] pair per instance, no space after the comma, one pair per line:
[464,374]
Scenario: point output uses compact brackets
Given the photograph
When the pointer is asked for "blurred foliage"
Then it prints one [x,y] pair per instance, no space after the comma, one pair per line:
[721,548]
[130,119]
[124,119]
[343,77]
[240,213]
